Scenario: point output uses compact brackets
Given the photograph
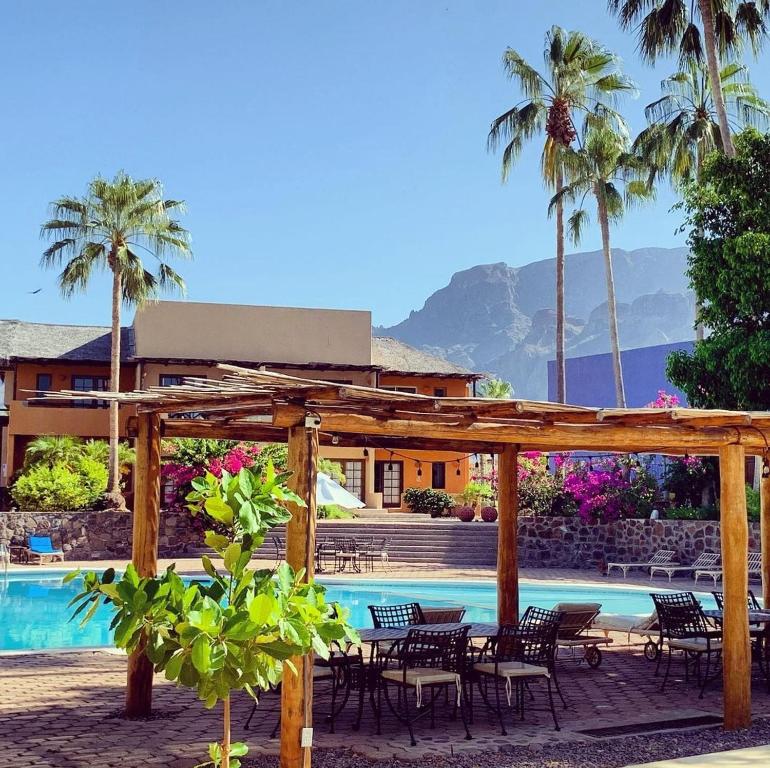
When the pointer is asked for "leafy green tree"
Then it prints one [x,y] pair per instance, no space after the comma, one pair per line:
[115,226]
[605,169]
[236,631]
[580,77]
[728,214]
[684,126]
[701,30]
[497,389]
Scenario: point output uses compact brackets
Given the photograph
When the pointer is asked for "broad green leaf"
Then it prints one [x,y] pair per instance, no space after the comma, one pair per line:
[231,555]
[219,510]
[261,609]
[216,541]
[201,654]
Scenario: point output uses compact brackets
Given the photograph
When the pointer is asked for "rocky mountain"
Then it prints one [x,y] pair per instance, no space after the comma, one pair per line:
[502,319]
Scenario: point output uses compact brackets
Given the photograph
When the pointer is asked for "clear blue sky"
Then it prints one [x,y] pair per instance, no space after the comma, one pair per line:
[331,153]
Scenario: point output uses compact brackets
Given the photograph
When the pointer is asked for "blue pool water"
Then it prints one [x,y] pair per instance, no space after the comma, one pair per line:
[34,613]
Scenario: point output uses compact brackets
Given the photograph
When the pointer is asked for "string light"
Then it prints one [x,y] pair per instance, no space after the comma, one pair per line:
[366,453]
[419,470]
[335,439]
[458,473]
[390,462]
[765,466]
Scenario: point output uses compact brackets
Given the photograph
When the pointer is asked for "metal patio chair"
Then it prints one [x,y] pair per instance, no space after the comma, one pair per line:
[517,656]
[426,661]
[685,628]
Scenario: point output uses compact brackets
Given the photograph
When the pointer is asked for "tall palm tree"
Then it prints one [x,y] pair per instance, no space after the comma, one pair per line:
[699,30]
[580,76]
[683,124]
[605,168]
[113,227]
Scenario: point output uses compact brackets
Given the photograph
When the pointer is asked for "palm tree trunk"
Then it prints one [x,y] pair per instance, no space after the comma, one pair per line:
[561,372]
[699,330]
[113,482]
[612,311]
[712,58]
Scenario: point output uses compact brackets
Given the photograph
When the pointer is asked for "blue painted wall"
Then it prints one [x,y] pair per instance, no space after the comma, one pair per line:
[590,379]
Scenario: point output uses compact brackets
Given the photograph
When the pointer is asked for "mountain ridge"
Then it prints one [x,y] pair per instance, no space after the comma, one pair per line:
[500,319]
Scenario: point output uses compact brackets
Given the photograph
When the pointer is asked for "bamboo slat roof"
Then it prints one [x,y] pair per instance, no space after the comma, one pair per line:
[253,404]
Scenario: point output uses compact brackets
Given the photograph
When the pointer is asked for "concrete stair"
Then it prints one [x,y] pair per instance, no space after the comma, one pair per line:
[418,540]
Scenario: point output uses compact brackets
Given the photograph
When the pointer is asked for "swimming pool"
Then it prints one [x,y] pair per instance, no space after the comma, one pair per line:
[34,613]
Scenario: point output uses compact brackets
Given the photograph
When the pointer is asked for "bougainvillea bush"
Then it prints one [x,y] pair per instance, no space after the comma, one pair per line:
[538,486]
[611,488]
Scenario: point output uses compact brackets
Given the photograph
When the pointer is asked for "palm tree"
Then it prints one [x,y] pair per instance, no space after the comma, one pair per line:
[684,126]
[99,450]
[581,76]
[52,450]
[668,26]
[108,229]
[606,169]
[497,389]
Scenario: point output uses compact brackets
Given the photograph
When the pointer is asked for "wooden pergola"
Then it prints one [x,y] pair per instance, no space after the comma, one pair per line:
[269,407]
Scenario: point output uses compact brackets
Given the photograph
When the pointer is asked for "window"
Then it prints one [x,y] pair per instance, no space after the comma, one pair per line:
[439,391]
[170,379]
[438,475]
[388,481]
[407,390]
[90,384]
[44,383]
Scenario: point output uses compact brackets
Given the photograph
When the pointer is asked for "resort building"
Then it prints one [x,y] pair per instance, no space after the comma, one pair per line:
[171,340]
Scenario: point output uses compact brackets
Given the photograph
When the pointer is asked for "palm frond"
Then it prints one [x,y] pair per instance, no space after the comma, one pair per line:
[78,270]
[529,80]
[576,224]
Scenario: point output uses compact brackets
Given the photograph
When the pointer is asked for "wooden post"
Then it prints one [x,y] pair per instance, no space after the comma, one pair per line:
[736,650]
[764,535]
[144,548]
[507,537]
[297,689]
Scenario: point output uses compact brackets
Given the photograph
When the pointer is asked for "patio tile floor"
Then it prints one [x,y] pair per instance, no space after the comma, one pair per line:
[60,710]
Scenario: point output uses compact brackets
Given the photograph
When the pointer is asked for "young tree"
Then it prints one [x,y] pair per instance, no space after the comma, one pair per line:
[580,77]
[684,126]
[729,268]
[697,30]
[115,226]
[235,631]
[605,169]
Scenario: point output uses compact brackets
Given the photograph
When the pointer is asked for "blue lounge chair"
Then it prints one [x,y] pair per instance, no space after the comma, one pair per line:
[41,547]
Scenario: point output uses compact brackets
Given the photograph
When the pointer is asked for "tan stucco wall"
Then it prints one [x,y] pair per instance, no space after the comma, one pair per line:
[426,385]
[151,373]
[199,331]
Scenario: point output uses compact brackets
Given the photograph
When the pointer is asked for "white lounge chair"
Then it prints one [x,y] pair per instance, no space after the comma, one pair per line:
[643,626]
[661,557]
[754,563]
[704,562]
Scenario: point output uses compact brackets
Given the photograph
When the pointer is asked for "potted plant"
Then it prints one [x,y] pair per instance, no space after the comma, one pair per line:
[465,513]
[489,514]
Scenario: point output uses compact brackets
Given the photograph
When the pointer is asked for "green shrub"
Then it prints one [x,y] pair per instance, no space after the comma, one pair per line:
[477,491]
[752,504]
[692,513]
[334,512]
[57,488]
[428,501]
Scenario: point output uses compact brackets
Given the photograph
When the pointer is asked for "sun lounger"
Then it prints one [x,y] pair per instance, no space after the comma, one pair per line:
[577,619]
[661,557]
[41,549]
[754,563]
[644,626]
[704,561]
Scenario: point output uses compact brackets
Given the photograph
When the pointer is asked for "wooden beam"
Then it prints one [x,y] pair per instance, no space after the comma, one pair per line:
[144,549]
[736,648]
[764,535]
[297,689]
[266,433]
[507,537]
[558,437]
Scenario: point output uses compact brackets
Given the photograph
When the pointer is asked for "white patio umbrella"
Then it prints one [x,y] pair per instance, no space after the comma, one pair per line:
[329,491]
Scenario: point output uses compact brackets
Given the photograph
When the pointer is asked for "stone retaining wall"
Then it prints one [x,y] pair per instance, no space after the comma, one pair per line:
[564,542]
[552,542]
[89,535]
